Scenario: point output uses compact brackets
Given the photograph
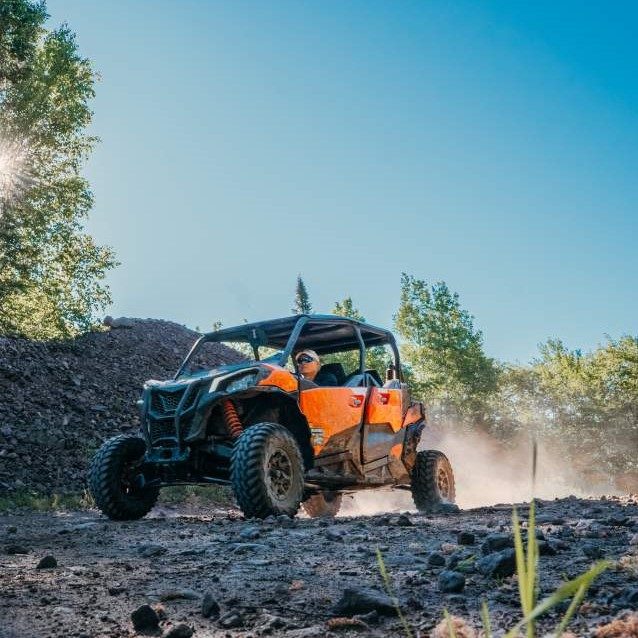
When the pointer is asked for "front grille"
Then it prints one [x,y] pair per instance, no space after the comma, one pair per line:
[164,402]
[161,430]
[190,399]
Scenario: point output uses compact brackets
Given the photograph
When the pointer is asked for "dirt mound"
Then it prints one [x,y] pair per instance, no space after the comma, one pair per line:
[60,400]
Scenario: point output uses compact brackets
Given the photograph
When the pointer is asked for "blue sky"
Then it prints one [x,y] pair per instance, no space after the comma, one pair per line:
[492,145]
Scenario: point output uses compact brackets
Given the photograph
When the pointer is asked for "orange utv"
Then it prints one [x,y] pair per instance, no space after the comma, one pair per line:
[280,440]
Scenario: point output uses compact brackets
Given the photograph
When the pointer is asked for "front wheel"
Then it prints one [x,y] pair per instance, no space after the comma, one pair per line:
[267,472]
[323,504]
[432,480]
[113,480]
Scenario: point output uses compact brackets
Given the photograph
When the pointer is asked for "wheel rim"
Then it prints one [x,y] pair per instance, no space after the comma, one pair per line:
[130,472]
[279,474]
[443,483]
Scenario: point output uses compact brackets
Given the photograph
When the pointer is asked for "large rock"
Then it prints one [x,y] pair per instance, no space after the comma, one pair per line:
[451,582]
[496,542]
[466,538]
[47,562]
[180,631]
[436,559]
[145,619]
[210,606]
[501,564]
[120,322]
[360,600]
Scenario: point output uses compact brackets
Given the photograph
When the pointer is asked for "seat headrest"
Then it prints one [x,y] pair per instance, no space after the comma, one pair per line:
[336,369]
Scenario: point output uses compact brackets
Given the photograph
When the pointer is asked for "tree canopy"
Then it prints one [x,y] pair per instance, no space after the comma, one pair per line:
[51,271]
[443,348]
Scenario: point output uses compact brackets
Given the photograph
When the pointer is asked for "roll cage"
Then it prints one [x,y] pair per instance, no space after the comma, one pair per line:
[325,334]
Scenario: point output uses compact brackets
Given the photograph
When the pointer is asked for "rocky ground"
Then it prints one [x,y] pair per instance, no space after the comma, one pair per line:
[61,399]
[212,573]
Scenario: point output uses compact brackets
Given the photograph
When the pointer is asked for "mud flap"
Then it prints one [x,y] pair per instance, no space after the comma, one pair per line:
[412,438]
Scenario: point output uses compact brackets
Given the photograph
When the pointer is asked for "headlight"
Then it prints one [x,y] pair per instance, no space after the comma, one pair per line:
[241,383]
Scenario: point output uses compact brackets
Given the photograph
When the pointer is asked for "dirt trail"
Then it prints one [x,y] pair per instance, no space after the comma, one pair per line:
[287,577]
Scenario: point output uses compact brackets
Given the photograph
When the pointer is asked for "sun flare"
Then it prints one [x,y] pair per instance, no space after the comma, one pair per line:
[14,177]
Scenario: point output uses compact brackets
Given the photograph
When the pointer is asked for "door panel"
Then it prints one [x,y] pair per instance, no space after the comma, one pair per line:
[382,424]
[331,411]
[385,406]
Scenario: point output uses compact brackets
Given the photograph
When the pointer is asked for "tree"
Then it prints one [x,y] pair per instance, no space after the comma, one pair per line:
[583,406]
[443,348]
[346,308]
[302,300]
[51,271]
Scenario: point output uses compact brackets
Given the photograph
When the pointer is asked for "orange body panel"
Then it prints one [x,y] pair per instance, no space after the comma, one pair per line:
[385,406]
[281,378]
[413,414]
[331,410]
[397,450]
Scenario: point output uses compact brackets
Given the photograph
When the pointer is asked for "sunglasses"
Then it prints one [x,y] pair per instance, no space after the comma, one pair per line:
[304,358]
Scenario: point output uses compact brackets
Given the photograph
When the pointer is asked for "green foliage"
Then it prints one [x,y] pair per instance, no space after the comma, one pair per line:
[51,271]
[302,305]
[586,403]
[346,308]
[443,349]
[27,500]
[21,24]
[377,358]
[196,495]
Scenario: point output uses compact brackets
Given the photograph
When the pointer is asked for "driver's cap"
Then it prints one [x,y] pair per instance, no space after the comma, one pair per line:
[311,353]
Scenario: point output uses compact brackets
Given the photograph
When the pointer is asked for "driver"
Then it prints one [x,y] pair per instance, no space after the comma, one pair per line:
[309,366]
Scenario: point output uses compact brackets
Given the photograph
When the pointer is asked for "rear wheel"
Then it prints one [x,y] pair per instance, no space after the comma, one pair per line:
[267,472]
[113,479]
[323,504]
[432,480]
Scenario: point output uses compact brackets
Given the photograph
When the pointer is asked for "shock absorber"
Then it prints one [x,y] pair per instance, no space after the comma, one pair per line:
[233,423]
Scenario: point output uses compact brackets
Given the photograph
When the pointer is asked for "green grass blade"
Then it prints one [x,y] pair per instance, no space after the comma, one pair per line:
[388,588]
[571,610]
[567,590]
[450,626]
[532,565]
[485,618]
[520,562]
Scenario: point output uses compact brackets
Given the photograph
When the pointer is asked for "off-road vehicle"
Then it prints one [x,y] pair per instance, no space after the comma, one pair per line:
[278,439]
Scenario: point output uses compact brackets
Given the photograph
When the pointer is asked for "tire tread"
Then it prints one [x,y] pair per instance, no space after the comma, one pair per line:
[246,478]
[103,480]
[423,481]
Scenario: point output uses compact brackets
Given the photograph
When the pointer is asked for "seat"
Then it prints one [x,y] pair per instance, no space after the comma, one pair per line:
[375,376]
[335,369]
[355,380]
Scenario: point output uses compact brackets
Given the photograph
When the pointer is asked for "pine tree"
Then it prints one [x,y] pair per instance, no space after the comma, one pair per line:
[302,300]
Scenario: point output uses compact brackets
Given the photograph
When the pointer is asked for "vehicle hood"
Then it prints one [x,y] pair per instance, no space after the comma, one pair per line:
[204,375]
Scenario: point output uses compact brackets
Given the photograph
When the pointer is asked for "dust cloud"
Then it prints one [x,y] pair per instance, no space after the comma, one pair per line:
[488,472]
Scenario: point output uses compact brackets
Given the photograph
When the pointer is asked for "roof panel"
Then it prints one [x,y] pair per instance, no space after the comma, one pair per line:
[323,333]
